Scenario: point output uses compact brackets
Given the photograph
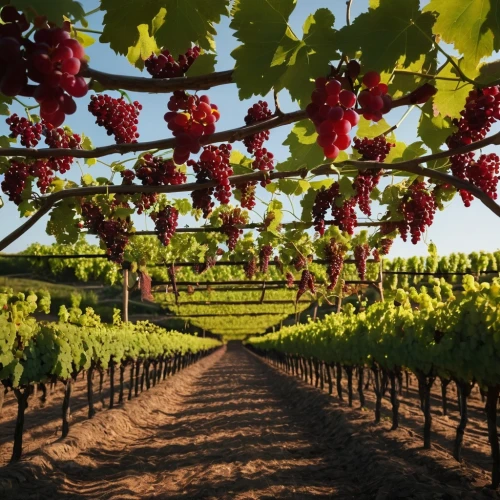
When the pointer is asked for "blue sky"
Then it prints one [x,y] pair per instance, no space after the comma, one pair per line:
[455,229]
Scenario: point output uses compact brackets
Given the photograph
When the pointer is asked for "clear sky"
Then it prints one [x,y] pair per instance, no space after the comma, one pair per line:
[455,229]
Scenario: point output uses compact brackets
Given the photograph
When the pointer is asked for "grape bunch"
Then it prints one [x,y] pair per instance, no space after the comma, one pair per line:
[144,201]
[343,213]
[373,100]
[290,279]
[418,208]
[264,256]
[114,233]
[376,255]
[166,221]
[375,149]
[202,200]
[299,262]
[257,113]
[190,117]
[156,171]
[247,191]
[165,66]
[213,165]
[334,253]
[14,180]
[331,111]
[250,268]
[230,221]
[482,109]
[209,262]
[53,61]
[29,132]
[361,254]
[264,161]
[306,282]
[118,117]
[60,138]
[385,246]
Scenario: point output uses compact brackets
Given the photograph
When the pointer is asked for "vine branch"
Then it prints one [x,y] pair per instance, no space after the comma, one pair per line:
[411,166]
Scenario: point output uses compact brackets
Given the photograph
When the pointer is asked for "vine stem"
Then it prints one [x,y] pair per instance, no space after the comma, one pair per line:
[231,135]
[426,75]
[348,12]
[411,166]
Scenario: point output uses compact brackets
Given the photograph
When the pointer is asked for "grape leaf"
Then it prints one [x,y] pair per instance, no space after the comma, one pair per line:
[62,224]
[53,10]
[145,46]
[183,205]
[346,188]
[240,163]
[433,130]
[262,28]
[203,65]
[367,128]
[383,35]
[287,186]
[470,25]
[190,21]
[489,72]
[311,57]
[85,39]
[450,97]
[304,152]
[4,104]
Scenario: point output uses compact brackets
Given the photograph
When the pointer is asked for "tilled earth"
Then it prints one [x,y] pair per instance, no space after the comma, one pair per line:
[233,427]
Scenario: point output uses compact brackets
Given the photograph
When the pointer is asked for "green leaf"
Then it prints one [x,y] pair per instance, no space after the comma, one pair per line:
[203,65]
[433,129]
[91,161]
[271,188]
[87,143]
[472,26]
[145,46]
[450,97]
[87,180]
[183,205]
[287,186]
[240,163]
[57,185]
[311,57]
[4,142]
[304,152]
[266,40]
[53,10]
[84,39]
[4,104]
[122,19]
[62,223]
[188,22]
[302,187]
[489,72]
[414,150]
[367,128]
[123,213]
[396,153]
[393,31]
[346,188]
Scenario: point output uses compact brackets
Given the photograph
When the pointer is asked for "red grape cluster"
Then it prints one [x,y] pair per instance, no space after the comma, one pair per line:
[482,109]
[385,245]
[214,165]
[202,200]
[264,161]
[332,114]
[361,253]
[250,268]
[144,201]
[306,282]
[344,215]
[230,221]
[247,190]
[14,180]
[113,232]
[376,255]
[61,139]
[156,171]
[373,100]
[290,278]
[482,173]
[418,208]
[118,117]
[165,223]
[165,66]
[52,61]
[189,117]
[299,262]
[375,149]
[264,256]
[30,132]
[335,253]
[257,113]
[210,262]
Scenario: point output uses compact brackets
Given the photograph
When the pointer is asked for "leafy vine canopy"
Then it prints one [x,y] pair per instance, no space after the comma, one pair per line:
[345,181]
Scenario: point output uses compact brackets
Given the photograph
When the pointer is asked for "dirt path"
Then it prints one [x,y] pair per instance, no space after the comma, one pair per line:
[229,427]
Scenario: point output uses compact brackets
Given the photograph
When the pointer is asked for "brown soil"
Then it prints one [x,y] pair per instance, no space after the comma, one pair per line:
[233,427]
